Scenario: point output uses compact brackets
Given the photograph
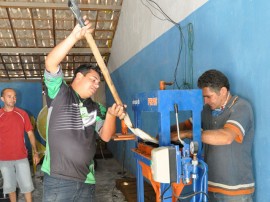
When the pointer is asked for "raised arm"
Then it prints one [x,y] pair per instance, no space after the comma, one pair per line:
[60,51]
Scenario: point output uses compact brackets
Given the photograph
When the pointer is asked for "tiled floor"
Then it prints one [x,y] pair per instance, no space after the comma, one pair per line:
[106,173]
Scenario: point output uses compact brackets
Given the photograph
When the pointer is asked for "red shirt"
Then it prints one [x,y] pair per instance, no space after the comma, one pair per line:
[13,124]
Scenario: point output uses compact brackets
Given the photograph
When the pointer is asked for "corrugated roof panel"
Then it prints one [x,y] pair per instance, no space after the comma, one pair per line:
[30,28]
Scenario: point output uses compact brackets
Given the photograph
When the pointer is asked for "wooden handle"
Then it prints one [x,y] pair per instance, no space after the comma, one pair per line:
[103,67]
[105,72]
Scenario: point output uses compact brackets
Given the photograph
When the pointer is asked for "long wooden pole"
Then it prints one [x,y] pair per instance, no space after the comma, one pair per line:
[91,42]
[108,79]
[103,67]
[116,97]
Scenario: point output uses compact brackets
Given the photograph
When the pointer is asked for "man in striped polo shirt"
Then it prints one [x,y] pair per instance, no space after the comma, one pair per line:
[228,131]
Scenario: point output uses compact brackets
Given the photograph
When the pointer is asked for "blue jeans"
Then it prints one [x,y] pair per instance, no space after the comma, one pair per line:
[217,197]
[62,190]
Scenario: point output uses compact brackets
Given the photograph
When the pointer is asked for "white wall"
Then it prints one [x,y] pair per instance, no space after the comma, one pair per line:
[136,18]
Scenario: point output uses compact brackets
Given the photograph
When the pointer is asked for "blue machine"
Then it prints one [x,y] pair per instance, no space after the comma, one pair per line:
[186,168]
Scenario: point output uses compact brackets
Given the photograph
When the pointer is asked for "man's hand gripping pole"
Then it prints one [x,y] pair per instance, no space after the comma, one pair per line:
[90,40]
[136,131]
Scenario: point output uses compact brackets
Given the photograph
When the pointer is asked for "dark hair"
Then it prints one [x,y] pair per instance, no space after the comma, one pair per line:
[3,91]
[213,79]
[85,68]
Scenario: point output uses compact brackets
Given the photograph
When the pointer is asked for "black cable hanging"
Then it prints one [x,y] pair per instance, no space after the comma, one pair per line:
[188,69]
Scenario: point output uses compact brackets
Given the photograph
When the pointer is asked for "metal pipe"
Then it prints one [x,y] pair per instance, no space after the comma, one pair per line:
[177,124]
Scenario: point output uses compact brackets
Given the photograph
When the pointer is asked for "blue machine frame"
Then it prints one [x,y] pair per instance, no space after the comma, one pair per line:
[163,101]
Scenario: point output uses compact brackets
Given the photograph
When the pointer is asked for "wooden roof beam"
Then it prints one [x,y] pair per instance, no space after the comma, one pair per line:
[57,5]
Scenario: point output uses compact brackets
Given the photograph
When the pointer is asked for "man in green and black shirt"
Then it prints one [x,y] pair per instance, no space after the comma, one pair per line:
[73,120]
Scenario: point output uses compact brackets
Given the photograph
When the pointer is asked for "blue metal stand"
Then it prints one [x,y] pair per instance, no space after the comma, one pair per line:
[163,101]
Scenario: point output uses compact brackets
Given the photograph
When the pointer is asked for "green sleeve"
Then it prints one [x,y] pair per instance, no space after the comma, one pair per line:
[53,82]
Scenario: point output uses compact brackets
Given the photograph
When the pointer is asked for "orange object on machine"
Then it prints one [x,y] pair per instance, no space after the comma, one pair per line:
[123,136]
[124,128]
[163,84]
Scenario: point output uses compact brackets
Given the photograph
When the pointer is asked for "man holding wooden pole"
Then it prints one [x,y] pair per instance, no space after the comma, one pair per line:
[73,119]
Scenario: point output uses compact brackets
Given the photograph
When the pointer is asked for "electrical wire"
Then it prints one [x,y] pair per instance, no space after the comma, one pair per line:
[190,51]
[152,11]
[161,11]
[162,194]
[199,192]
[186,84]
[191,195]
[203,176]
[182,40]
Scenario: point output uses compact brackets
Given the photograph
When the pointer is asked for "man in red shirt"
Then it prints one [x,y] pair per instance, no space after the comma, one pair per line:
[14,163]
